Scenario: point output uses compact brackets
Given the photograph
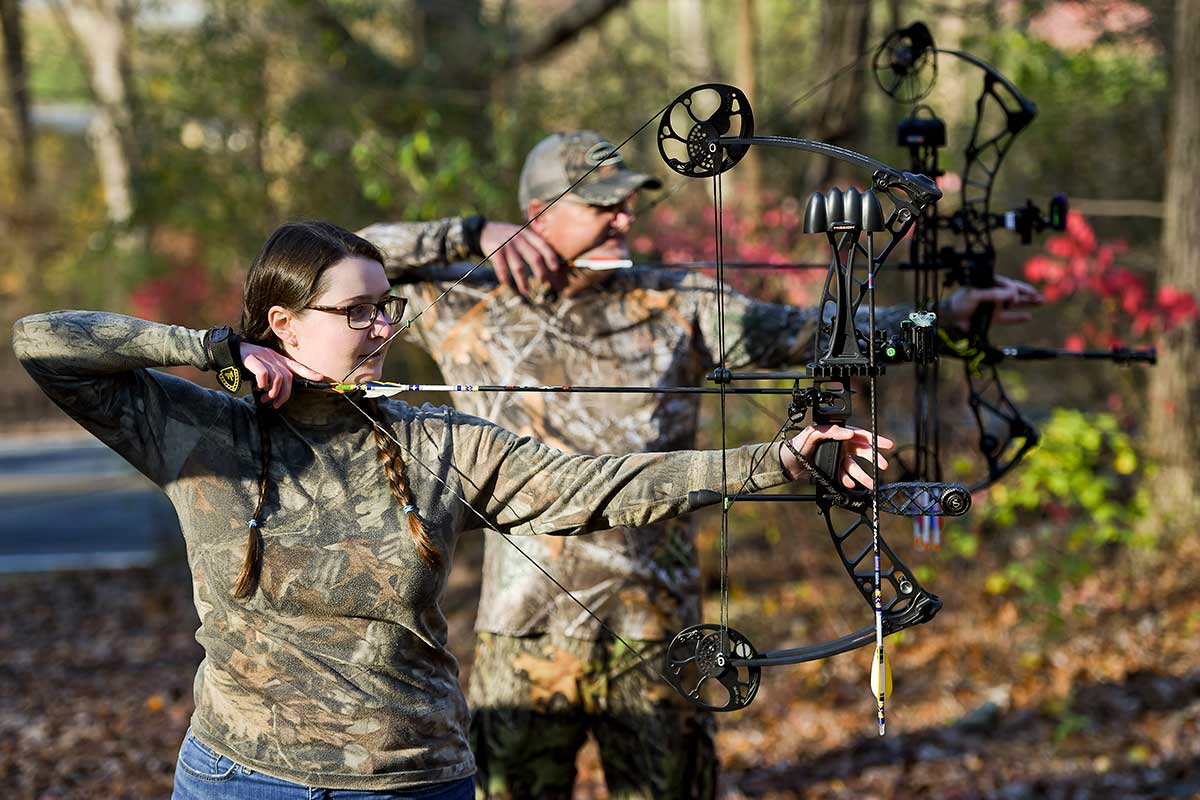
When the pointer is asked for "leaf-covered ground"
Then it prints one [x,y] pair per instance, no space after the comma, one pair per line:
[990,699]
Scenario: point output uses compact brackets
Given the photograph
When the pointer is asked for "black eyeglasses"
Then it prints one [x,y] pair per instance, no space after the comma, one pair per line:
[361,316]
[625,206]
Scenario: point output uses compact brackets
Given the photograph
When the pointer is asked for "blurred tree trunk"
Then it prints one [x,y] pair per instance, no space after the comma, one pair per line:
[689,40]
[18,93]
[749,175]
[896,17]
[845,26]
[101,29]
[461,54]
[452,35]
[1175,384]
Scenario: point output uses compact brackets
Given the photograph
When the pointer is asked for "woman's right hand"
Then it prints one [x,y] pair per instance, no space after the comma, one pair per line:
[273,372]
[855,442]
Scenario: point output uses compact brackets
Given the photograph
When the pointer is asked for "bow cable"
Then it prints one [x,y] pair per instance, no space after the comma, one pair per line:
[719,246]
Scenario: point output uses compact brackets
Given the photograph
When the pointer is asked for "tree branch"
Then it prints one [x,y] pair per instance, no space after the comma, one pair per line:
[362,60]
[561,30]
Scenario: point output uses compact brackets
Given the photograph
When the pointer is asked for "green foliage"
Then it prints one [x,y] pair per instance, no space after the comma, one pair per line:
[435,171]
[1070,724]
[54,70]
[1076,497]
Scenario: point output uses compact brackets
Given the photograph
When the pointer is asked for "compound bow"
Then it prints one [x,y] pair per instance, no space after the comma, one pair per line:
[703,133]
[905,68]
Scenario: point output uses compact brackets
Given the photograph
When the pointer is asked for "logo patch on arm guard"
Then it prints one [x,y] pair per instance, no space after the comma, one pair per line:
[230,379]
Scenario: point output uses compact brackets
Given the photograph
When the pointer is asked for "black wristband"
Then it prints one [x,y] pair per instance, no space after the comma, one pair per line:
[221,350]
[472,228]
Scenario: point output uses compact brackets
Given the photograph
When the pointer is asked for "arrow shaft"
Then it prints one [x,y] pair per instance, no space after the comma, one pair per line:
[387,389]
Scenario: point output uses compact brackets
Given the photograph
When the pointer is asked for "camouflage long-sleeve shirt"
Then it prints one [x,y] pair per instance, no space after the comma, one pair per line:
[335,672]
[648,327]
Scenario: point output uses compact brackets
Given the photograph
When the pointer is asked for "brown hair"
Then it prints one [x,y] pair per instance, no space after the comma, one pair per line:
[289,271]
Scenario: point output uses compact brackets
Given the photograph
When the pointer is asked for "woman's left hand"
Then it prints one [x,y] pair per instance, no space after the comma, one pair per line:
[855,442]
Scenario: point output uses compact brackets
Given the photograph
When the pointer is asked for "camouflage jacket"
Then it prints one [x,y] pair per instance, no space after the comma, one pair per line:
[649,327]
[335,672]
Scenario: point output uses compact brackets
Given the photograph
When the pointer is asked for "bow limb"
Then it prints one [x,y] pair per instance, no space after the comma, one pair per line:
[1005,435]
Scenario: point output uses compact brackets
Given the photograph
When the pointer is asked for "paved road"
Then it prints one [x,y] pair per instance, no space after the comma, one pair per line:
[68,502]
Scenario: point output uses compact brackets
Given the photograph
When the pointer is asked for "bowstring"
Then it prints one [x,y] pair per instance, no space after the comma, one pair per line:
[719,246]
[643,661]
[726,500]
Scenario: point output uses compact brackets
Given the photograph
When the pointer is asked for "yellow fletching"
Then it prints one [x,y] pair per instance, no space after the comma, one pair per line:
[881,668]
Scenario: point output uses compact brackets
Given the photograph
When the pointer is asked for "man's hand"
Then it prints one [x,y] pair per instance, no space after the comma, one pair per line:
[527,253]
[1009,299]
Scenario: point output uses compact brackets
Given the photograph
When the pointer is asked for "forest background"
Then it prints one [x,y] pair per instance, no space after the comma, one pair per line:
[150,147]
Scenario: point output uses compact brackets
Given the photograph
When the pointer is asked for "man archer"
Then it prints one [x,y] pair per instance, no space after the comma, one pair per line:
[546,673]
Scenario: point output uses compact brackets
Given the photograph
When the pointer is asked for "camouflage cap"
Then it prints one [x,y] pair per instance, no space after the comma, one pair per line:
[561,159]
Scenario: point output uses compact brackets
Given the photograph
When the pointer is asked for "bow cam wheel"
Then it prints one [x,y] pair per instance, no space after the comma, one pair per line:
[690,133]
[701,667]
[905,65]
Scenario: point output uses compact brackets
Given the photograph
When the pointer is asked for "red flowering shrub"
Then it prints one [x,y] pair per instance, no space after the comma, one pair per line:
[188,293]
[684,232]
[1077,261]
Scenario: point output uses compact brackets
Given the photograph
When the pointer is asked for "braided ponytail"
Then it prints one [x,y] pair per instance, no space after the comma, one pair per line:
[393,465]
[289,271]
[247,580]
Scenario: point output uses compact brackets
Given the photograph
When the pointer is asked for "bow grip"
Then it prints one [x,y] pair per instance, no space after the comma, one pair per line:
[826,458]
[831,406]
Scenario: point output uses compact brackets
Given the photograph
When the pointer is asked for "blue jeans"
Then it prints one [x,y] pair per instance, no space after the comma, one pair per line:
[201,774]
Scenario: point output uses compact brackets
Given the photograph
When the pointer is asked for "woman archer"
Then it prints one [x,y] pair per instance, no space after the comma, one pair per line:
[326,663]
